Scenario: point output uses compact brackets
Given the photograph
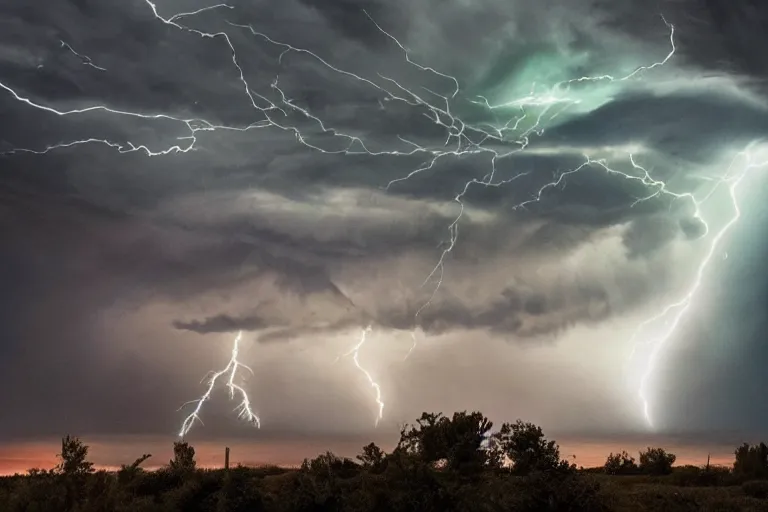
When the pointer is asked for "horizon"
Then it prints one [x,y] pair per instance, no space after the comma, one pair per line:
[298,225]
[109,454]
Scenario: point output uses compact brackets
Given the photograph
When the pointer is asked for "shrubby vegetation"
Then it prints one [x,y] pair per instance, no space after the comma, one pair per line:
[440,464]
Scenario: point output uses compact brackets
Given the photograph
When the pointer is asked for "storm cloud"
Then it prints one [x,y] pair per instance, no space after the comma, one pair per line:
[325,178]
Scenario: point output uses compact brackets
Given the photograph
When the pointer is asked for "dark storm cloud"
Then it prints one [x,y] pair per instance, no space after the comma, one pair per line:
[516,314]
[347,17]
[222,323]
[725,37]
[254,231]
[647,234]
[691,126]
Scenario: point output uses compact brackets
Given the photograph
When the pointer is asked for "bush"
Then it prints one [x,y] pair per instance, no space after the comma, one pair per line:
[751,461]
[695,476]
[656,461]
[756,489]
[620,464]
[529,451]
[561,491]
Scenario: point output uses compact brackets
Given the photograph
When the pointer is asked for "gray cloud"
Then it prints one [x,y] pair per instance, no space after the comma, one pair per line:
[221,323]
[126,258]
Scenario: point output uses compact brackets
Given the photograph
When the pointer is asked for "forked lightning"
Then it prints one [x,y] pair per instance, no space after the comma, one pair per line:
[244,409]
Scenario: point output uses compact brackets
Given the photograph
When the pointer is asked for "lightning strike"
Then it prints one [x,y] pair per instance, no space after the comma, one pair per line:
[536,110]
[83,58]
[355,353]
[672,314]
[244,408]
[413,346]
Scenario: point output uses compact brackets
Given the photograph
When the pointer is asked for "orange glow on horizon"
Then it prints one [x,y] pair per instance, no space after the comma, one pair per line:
[110,454]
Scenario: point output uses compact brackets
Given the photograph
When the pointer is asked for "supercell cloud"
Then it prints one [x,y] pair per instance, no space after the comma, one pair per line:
[440,171]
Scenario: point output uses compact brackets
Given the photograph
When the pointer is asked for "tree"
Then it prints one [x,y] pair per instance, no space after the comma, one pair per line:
[183,458]
[73,457]
[751,461]
[656,461]
[620,464]
[526,447]
[373,458]
[457,442]
[329,465]
[127,473]
[74,468]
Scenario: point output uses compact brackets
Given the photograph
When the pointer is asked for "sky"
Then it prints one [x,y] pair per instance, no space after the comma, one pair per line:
[508,193]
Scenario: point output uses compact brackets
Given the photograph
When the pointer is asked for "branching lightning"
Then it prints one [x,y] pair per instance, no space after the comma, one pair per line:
[534,112]
[244,408]
[673,313]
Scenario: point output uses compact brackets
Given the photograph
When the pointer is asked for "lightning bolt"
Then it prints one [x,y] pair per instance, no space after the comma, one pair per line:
[355,353]
[244,408]
[84,58]
[672,314]
[535,111]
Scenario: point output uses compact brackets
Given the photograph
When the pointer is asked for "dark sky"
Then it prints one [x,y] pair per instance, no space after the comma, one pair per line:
[160,192]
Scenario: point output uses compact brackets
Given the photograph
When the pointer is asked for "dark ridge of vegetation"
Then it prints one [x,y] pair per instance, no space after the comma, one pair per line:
[440,464]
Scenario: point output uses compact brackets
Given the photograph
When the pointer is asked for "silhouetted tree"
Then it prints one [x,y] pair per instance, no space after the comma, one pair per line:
[656,461]
[330,465]
[526,447]
[373,458]
[620,464]
[73,457]
[127,473]
[457,442]
[751,461]
[74,468]
[183,458]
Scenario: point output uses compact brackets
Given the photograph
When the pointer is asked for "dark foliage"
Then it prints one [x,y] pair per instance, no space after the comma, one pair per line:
[656,461]
[440,464]
[529,451]
[751,461]
[756,489]
[695,476]
[456,444]
[621,464]
[183,458]
[73,458]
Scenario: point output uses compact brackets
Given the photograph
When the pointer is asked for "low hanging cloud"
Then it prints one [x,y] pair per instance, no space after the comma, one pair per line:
[222,323]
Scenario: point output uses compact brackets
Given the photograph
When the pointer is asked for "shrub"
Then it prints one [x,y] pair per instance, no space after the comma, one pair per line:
[756,489]
[751,461]
[525,445]
[656,461]
[620,464]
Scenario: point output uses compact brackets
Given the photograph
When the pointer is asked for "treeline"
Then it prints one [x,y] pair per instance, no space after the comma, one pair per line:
[440,464]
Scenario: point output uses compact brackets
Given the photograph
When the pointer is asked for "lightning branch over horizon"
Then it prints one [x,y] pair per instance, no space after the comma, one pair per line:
[244,408]
[495,141]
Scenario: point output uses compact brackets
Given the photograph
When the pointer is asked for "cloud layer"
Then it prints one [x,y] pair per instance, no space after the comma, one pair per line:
[290,219]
